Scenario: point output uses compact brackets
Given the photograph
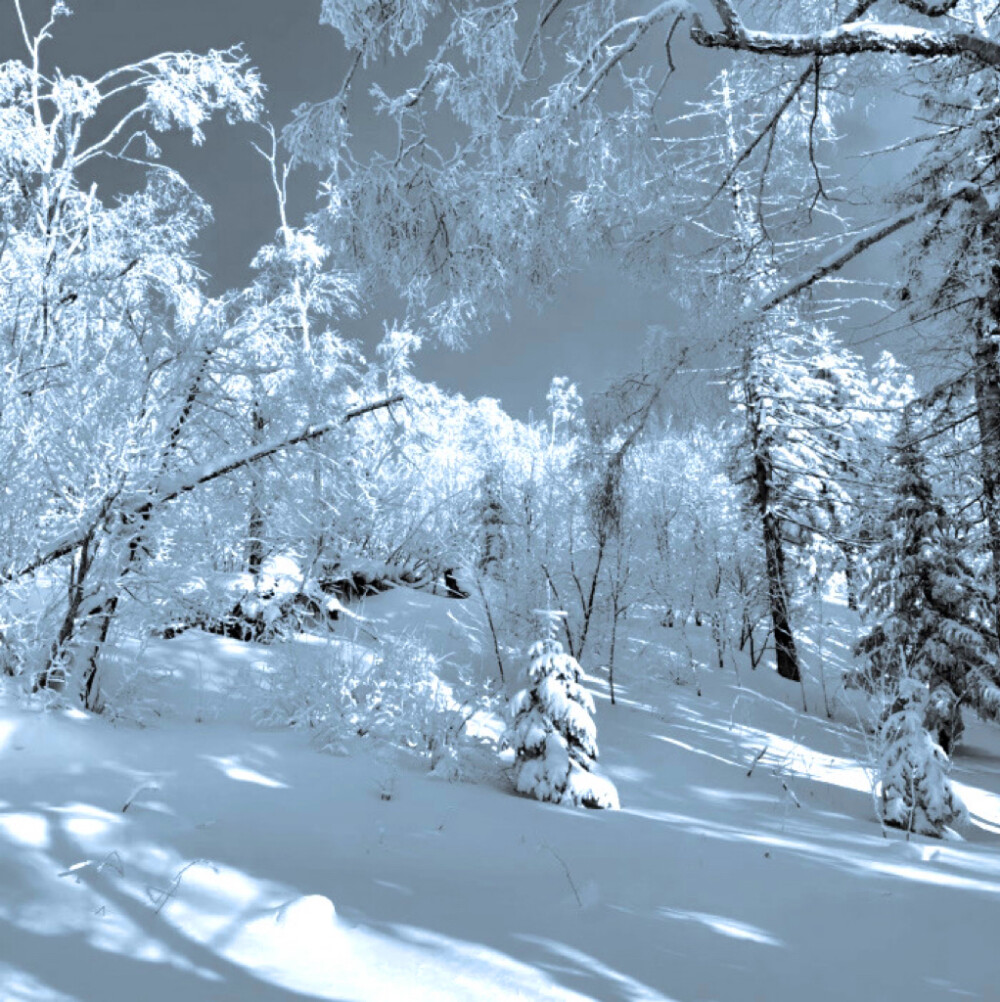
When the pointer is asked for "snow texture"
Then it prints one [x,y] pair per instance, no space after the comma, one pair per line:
[249,868]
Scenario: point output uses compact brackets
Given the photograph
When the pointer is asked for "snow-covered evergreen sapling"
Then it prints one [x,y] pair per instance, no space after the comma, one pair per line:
[553,734]
[916,793]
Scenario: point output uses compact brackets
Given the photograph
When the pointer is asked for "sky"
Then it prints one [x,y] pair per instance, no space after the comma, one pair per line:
[592,331]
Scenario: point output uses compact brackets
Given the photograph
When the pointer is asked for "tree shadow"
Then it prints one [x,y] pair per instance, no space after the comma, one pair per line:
[85,965]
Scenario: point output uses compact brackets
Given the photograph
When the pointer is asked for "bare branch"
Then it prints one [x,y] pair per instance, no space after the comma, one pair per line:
[962,193]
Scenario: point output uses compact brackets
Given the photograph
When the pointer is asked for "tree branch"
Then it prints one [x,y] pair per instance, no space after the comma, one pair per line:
[173,488]
[846,40]
[859,10]
[930,9]
[605,56]
[170,490]
[961,193]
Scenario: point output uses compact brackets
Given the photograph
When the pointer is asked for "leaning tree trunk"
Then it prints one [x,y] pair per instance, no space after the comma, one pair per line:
[85,630]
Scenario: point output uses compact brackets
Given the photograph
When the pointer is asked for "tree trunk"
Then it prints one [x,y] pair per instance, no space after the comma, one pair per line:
[785,652]
[255,525]
[986,356]
[786,655]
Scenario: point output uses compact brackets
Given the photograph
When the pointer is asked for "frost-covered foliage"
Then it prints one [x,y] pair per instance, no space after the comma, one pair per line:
[566,510]
[809,399]
[394,691]
[374,26]
[915,792]
[930,611]
[704,563]
[102,293]
[553,734]
[552,103]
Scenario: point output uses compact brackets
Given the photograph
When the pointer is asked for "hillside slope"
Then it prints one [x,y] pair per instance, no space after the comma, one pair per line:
[214,860]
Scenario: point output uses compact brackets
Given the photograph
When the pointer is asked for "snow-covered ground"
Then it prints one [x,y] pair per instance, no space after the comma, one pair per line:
[200,858]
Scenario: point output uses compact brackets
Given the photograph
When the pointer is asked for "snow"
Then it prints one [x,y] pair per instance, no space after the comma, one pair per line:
[248,866]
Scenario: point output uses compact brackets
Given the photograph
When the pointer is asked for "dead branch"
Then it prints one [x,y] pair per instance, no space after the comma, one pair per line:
[961,193]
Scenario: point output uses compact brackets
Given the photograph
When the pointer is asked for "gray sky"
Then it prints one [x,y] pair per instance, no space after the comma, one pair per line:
[592,332]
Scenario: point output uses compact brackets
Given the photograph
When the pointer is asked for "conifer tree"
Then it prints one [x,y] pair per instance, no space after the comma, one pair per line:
[553,734]
[916,794]
[931,609]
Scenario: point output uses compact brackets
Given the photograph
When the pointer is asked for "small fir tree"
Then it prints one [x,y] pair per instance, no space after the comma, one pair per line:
[553,734]
[916,793]
[932,611]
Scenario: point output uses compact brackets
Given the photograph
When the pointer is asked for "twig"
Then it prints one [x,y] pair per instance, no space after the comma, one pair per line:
[569,876]
[142,789]
[756,759]
[165,896]
[788,790]
[112,859]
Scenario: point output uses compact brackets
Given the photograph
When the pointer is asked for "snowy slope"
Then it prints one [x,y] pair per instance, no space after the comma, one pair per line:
[248,866]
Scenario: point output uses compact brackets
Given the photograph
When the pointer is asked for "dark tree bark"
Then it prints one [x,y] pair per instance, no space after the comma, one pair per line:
[785,651]
[255,525]
[986,357]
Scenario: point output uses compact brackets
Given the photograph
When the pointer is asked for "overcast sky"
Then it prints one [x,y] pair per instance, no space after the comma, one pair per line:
[592,332]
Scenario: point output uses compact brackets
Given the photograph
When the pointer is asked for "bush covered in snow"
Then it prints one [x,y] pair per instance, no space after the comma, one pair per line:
[553,733]
[393,692]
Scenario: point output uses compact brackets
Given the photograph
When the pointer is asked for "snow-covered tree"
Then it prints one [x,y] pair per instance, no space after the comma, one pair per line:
[553,734]
[946,55]
[100,293]
[931,612]
[915,793]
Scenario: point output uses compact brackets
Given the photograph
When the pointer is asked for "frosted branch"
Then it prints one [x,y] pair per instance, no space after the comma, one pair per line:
[846,40]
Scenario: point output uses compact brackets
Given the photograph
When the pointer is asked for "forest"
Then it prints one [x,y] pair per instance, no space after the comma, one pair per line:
[294,638]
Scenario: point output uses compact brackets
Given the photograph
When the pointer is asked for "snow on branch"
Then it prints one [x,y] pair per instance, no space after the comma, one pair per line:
[172,488]
[786,102]
[846,40]
[607,54]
